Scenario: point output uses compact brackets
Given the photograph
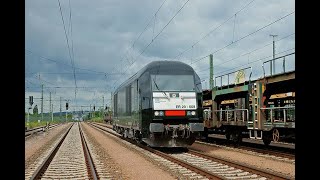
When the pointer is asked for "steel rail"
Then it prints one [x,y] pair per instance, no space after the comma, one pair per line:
[92,170]
[248,168]
[42,168]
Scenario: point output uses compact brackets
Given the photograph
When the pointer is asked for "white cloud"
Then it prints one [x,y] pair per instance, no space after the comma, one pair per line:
[102,32]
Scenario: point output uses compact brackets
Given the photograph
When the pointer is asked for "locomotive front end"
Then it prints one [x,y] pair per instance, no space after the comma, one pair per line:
[177,116]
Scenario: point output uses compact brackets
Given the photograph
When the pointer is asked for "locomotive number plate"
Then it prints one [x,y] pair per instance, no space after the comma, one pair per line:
[185,106]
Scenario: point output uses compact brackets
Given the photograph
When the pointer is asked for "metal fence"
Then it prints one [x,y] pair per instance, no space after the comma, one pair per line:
[233,115]
[280,114]
[231,78]
[283,63]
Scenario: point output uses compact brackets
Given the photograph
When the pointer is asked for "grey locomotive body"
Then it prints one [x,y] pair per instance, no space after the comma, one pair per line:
[160,105]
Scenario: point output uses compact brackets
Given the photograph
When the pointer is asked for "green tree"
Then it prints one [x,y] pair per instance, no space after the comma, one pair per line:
[35,110]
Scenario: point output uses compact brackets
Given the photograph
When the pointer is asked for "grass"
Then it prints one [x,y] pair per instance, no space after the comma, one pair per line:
[97,119]
[33,120]
[34,124]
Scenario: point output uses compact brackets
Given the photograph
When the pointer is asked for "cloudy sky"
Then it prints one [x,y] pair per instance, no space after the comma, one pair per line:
[96,45]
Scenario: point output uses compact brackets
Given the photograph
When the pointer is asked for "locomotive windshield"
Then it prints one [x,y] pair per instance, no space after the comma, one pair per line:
[172,82]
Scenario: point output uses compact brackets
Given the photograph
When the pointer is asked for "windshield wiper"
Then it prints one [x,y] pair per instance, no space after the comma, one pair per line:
[160,90]
[197,86]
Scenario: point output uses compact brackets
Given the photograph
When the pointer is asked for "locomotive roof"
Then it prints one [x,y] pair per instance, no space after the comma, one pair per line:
[158,66]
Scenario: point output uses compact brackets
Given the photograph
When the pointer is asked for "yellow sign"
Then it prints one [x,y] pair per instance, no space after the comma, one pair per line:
[239,77]
[207,102]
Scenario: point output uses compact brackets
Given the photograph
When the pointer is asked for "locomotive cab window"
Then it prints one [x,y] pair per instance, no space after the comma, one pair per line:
[172,82]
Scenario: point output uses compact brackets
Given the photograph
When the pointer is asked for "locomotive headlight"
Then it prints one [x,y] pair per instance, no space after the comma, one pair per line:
[193,113]
[188,113]
[156,113]
[161,113]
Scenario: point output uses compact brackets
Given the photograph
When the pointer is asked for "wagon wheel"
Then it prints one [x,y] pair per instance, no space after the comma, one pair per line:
[228,136]
[266,138]
[275,135]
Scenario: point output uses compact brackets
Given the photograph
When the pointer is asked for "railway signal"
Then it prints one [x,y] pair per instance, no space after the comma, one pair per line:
[31,103]
[31,100]
[67,107]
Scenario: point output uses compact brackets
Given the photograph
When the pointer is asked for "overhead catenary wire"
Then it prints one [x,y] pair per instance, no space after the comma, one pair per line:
[29,82]
[244,37]
[41,79]
[156,35]
[247,52]
[74,70]
[70,24]
[67,39]
[48,59]
[214,29]
[131,63]
[59,62]
[134,42]
[161,30]
[219,73]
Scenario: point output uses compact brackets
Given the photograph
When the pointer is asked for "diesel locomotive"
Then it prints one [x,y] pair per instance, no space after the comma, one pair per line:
[160,105]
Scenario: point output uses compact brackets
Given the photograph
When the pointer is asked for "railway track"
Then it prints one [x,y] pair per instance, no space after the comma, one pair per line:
[196,165]
[69,159]
[218,138]
[269,152]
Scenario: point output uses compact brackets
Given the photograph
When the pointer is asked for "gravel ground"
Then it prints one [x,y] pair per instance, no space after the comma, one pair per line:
[128,164]
[285,168]
[105,166]
[132,164]
[37,141]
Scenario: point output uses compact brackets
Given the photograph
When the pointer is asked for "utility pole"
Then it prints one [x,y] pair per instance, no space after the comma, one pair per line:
[103,107]
[50,105]
[90,112]
[60,110]
[28,118]
[51,112]
[111,110]
[67,107]
[274,51]
[211,72]
[41,102]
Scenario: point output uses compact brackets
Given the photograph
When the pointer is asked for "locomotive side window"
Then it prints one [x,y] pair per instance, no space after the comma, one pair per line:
[121,103]
[115,105]
[128,100]
[144,85]
[134,96]
[198,84]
